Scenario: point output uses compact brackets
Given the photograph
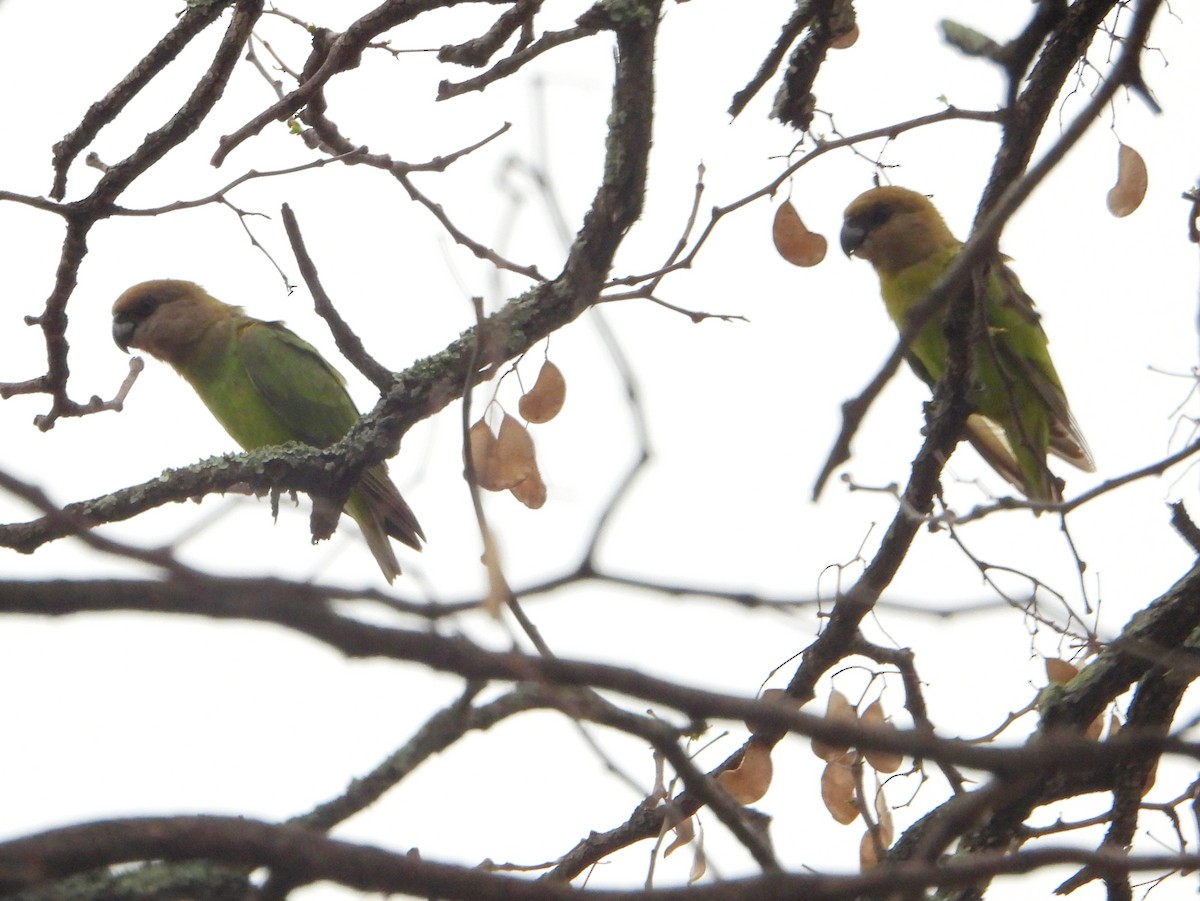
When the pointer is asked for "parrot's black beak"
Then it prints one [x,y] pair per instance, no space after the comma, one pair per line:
[853,234]
[122,331]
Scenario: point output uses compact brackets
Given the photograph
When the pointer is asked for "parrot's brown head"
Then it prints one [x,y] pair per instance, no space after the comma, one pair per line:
[165,317]
[893,228]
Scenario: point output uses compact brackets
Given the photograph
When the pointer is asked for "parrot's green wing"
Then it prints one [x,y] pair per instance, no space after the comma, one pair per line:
[309,398]
[305,393]
[1023,352]
[984,435]
[1022,409]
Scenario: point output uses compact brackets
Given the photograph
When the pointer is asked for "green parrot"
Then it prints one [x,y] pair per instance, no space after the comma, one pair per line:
[266,386]
[1021,411]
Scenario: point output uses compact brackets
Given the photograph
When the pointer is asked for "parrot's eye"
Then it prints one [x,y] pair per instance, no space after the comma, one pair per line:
[877,215]
[144,306]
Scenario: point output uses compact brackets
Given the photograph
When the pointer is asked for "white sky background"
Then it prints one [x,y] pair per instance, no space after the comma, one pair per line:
[125,715]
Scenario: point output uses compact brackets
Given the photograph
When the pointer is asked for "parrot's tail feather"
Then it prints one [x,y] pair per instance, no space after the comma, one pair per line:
[380,511]
[360,508]
[989,443]
[381,549]
[1067,443]
[392,511]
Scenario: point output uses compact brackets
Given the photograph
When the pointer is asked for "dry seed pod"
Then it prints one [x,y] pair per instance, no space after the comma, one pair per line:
[777,696]
[512,459]
[483,447]
[868,854]
[1059,672]
[845,40]
[794,241]
[1151,776]
[881,836]
[498,590]
[542,402]
[838,709]
[750,781]
[837,789]
[1132,179]
[883,761]
[883,816]
[685,833]
[531,490]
